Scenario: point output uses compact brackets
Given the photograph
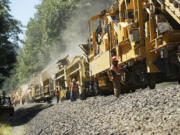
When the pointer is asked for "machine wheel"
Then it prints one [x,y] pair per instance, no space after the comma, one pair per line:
[82,96]
[152,83]
[68,94]
[97,90]
[133,90]
[91,91]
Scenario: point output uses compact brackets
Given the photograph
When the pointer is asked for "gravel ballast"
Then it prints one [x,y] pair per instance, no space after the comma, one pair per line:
[142,112]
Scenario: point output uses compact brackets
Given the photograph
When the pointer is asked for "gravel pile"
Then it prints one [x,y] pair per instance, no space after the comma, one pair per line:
[142,112]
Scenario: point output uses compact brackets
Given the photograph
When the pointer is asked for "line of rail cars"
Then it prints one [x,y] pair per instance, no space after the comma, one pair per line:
[57,75]
[143,34]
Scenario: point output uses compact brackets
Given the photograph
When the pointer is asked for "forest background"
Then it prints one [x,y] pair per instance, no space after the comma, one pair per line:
[56,28]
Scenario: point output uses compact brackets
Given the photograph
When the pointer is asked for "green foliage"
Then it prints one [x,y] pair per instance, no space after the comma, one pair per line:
[50,32]
[9,30]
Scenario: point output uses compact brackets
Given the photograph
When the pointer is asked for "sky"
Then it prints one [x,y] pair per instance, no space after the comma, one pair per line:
[23,10]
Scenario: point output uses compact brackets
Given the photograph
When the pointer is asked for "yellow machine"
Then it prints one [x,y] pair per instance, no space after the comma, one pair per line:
[144,35]
[61,78]
[47,78]
[18,96]
[24,97]
[31,94]
[31,91]
[38,92]
[79,69]
[36,89]
[14,98]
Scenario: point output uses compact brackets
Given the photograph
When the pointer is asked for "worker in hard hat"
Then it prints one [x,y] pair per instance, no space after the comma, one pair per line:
[57,95]
[74,90]
[115,73]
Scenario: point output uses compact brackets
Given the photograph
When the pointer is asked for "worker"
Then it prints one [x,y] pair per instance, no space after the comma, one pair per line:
[115,73]
[74,90]
[57,94]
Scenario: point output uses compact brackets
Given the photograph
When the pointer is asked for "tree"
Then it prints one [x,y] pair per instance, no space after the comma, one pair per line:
[9,30]
[57,27]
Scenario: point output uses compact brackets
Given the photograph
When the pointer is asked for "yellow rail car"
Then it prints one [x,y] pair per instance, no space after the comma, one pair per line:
[30,93]
[162,38]
[14,97]
[145,38]
[79,69]
[61,78]
[37,89]
[47,78]
[17,97]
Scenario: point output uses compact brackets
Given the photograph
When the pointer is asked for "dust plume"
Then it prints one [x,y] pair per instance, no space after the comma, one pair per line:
[77,30]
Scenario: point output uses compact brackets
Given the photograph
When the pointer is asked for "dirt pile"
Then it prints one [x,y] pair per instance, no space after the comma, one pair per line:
[142,112]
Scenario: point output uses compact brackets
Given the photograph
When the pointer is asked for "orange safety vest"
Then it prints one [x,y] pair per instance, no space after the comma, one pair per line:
[117,70]
[74,87]
[57,92]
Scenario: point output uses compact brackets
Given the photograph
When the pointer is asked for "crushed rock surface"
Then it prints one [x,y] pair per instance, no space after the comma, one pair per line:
[144,112]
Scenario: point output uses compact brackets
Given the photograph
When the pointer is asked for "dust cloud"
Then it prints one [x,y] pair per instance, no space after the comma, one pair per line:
[77,29]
